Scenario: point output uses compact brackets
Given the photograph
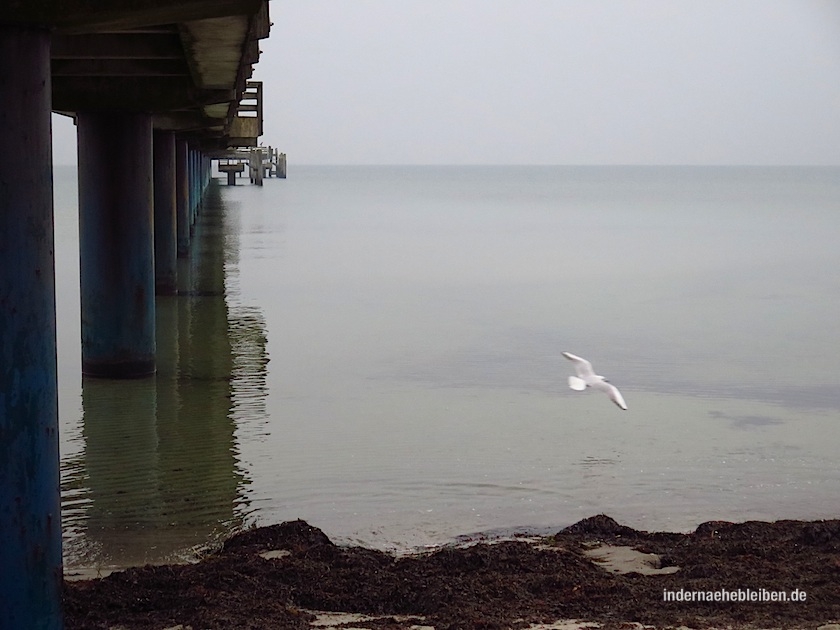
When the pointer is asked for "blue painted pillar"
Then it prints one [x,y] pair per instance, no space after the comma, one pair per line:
[193,188]
[189,189]
[202,170]
[166,224]
[182,196]
[116,244]
[199,185]
[198,191]
[30,517]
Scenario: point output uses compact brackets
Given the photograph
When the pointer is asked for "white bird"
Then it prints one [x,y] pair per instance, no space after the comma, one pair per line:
[586,377]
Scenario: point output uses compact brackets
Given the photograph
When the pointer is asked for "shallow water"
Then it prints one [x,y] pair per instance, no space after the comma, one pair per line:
[377,350]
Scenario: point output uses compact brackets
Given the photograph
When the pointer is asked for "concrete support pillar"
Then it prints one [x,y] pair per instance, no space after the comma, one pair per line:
[193,190]
[116,244]
[182,196]
[191,180]
[256,166]
[166,224]
[199,163]
[197,180]
[30,518]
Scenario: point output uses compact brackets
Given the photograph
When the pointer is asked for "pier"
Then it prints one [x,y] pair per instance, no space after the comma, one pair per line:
[260,162]
[243,152]
[156,89]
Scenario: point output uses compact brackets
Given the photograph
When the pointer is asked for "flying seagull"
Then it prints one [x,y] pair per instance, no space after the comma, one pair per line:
[586,377]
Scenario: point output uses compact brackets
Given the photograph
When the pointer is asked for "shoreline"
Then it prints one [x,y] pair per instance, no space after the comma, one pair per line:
[292,576]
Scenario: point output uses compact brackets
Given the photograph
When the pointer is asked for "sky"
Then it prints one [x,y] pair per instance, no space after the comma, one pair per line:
[548,82]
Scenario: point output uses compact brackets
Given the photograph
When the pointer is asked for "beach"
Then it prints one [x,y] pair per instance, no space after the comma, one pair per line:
[783,574]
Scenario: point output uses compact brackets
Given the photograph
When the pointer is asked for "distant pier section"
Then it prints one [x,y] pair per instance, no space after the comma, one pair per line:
[260,162]
[243,152]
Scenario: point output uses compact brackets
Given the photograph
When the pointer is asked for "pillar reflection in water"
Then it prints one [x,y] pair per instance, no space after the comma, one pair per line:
[160,474]
[121,465]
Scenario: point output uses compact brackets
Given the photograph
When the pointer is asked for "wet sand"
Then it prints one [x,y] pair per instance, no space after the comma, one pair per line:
[292,576]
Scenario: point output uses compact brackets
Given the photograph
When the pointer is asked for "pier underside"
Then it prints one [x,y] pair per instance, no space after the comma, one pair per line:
[123,69]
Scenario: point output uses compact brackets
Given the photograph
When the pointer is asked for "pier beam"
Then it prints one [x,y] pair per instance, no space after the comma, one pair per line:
[182,196]
[30,518]
[166,224]
[116,244]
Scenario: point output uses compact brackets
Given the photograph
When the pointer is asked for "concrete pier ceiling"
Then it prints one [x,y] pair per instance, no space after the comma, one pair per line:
[185,62]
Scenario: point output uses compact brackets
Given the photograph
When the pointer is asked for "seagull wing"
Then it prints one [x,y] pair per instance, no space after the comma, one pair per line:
[612,391]
[582,366]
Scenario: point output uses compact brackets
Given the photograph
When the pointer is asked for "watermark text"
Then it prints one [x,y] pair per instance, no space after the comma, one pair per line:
[734,595]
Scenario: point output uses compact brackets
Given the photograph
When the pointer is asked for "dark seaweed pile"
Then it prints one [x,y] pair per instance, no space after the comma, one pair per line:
[486,585]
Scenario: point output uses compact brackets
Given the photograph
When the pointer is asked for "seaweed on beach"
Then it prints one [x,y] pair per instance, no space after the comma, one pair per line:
[489,584]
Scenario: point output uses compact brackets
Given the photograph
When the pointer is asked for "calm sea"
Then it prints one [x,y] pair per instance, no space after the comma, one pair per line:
[377,350]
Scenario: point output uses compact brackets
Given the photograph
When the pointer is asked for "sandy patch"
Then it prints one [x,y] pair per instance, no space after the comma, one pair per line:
[275,553]
[343,620]
[617,559]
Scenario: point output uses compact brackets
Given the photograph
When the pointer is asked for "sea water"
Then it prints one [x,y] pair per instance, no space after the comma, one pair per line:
[377,350]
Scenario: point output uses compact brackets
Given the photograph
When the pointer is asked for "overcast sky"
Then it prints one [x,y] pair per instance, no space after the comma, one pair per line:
[549,82]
